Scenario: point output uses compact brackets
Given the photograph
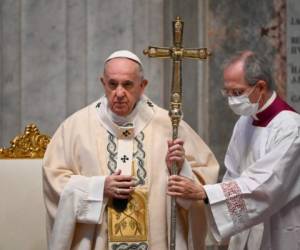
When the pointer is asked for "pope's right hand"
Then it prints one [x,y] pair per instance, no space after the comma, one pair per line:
[119,186]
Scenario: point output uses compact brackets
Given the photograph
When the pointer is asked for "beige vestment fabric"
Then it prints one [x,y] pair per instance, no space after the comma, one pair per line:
[75,166]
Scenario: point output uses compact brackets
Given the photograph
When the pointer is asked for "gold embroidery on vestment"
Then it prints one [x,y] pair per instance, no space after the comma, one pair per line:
[131,225]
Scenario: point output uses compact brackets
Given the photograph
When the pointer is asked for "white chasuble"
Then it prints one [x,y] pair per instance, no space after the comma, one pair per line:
[88,147]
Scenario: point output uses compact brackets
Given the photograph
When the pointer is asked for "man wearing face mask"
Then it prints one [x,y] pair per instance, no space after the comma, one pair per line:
[258,202]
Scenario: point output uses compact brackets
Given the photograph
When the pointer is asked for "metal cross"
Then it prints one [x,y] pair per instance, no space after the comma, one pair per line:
[177,53]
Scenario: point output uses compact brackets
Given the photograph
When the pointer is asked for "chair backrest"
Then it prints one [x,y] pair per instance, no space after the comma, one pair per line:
[22,211]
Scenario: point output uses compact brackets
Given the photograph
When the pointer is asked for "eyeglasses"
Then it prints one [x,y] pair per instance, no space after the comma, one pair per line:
[232,92]
[236,92]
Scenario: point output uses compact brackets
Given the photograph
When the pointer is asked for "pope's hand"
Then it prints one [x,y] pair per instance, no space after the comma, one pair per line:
[119,186]
[180,186]
[175,154]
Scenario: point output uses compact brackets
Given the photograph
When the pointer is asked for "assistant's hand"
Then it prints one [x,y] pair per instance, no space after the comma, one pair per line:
[180,186]
[175,154]
[119,186]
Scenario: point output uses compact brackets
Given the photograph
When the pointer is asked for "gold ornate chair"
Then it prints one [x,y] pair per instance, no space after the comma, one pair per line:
[22,212]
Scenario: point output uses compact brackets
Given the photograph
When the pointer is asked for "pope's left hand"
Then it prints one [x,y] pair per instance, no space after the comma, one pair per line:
[175,154]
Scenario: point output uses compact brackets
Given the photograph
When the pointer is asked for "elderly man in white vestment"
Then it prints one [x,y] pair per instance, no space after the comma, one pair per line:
[107,166]
[259,199]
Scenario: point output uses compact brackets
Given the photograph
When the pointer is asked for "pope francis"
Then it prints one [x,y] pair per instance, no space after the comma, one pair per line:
[106,169]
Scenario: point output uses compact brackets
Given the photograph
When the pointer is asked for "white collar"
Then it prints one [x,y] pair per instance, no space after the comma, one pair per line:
[140,117]
[122,120]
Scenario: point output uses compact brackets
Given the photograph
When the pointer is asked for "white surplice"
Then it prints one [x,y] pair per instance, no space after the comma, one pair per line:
[81,155]
[261,187]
